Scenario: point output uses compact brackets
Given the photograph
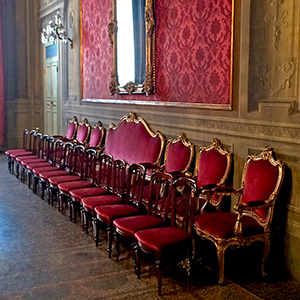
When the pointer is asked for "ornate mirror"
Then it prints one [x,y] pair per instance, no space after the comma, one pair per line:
[132,34]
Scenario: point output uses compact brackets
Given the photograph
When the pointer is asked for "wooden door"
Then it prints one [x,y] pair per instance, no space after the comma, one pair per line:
[51,90]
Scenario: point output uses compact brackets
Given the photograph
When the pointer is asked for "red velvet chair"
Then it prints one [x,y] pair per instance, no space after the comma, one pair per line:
[132,205]
[157,210]
[74,162]
[178,157]
[57,153]
[252,216]
[65,154]
[88,175]
[25,150]
[174,241]
[71,133]
[32,150]
[97,137]
[110,180]
[83,132]
[43,161]
[212,169]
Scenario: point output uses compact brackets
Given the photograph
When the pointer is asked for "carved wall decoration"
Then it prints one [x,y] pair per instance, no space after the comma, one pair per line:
[285,72]
[274,52]
[193,54]
[277,21]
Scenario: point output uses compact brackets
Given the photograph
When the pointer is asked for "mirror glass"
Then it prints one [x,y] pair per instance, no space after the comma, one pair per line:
[132,33]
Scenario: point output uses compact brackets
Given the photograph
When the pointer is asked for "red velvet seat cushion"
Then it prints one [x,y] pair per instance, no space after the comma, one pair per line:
[22,157]
[15,151]
[38,170]
[56,180]
[24,163]
[46,175]
[107,213]
[93,201]
[79,194]
[66,187]
[156,239]
[31,166]
[130,225]
[221,224]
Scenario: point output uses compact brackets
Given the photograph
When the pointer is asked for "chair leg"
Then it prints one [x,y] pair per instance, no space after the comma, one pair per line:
[265,255]
[159,275]
[9,163]
[43,187]
[221,258]
[109,237]
[71,209]
[29,176]
[117,245]
[34,184]
[95,230]
[137,261]
[17,170]
[12,167]
[82,218]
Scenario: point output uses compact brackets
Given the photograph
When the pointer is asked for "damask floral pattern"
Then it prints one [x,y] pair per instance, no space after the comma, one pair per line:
[193,51]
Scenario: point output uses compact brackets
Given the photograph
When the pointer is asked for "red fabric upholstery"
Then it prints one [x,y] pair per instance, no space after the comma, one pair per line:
[23,153]
[95,138]
[38,170]
[107,213]
[16,151]
[30,167]
[25,156]
[71,130]
[178,157]
[79,194]
[46,175]
[66,187]
[212,165]
[221,224]
[91,202]
[82,133]
[130,225]
[260,181]
[156,239]
[132,143]
[32,161]
[56,180]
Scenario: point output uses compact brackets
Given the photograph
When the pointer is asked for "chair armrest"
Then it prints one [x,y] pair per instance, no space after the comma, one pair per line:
[252,205]
[226,190]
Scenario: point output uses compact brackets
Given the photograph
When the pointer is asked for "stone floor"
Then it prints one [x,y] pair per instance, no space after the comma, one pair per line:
[45,256]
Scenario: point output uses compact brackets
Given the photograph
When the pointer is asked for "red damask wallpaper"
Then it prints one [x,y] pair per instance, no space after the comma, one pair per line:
[193,52]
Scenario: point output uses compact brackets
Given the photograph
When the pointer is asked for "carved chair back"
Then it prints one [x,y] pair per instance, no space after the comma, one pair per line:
[133,141]
[262,178]
[135,185]
[97,136]
[72,129]
[83,132]
[178,155]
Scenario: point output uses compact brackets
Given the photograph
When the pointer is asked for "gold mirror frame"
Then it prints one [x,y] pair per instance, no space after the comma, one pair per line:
[148,87]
